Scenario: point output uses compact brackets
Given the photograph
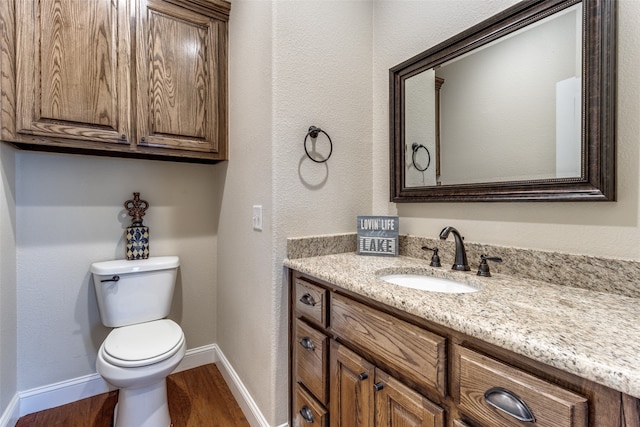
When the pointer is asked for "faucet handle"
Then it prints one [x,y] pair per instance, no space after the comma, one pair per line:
[483,268]
[435,259]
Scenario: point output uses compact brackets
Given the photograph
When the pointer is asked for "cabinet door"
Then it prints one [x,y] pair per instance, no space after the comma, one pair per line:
[351,401]
[399,406]
[181,78]
[72,70]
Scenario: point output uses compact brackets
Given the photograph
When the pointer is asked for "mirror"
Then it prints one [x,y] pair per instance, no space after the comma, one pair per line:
[520,107]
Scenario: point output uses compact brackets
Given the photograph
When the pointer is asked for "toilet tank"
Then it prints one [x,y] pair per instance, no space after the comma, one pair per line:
[130,292]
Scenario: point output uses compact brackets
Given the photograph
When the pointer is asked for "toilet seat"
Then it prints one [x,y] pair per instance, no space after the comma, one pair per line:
[142,344]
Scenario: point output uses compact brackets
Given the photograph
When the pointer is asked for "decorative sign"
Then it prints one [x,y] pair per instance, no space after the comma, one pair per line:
[378,235]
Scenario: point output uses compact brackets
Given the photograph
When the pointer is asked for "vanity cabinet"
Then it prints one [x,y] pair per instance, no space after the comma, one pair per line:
[130,78]
[335,386]
[358,363]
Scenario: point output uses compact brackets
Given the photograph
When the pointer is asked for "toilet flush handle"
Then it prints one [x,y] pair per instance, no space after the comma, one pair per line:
[113,279]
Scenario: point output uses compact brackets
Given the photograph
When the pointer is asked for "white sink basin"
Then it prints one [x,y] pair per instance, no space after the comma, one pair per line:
[428,283]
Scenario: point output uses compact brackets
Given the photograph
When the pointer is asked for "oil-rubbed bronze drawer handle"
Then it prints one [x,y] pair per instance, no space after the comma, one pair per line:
[378,386]
[509,403]
[307,344]
[307,299]
[306,414]
[363,376]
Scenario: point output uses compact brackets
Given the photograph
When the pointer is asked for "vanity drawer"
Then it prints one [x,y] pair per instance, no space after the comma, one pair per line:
[307,411]
[311,301]
[416,353]
[312,348]
[475,375]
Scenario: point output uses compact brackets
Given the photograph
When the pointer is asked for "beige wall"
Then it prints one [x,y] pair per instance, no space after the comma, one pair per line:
[245,313]
[293,64]
[603,229]
[70,213]
[8,310]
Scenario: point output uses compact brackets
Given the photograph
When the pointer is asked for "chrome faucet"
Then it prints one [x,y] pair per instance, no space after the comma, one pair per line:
[461,255]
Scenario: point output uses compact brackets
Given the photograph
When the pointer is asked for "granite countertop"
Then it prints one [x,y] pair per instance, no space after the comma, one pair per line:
[591,334]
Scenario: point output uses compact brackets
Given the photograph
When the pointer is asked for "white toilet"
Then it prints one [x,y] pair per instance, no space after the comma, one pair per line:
[134,297]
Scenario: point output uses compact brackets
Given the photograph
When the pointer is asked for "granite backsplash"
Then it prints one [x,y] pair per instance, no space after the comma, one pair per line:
[594,273]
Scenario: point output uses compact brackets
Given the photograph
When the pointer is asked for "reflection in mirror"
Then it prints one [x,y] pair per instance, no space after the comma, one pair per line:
[420,135]
[509,111]
[504,120]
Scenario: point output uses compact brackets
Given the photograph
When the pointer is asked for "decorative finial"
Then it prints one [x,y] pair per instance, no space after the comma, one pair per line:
[136,209]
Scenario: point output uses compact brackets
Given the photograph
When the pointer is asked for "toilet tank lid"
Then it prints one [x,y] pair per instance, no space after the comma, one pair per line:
[123,266]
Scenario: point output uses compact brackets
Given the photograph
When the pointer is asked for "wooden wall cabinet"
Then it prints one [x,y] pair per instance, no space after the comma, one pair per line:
[130,78]
[358,363]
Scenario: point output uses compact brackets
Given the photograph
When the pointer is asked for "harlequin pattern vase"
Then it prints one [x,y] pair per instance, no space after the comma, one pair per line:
[137,242]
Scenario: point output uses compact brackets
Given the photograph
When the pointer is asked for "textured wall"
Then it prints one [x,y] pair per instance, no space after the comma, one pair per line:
[322,69]
[292,64]
[69,214]
[245,312]
[602,229]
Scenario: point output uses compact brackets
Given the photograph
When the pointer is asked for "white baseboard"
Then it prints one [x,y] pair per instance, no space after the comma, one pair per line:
[198,356]
[240,392]
[50,396]
[11,414]
[63,392]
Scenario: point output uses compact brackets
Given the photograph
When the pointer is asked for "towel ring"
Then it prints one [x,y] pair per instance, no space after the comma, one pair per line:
[415,147]
[313,132]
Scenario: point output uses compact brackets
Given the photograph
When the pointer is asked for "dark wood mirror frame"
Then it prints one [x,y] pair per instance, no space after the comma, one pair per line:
[597,182]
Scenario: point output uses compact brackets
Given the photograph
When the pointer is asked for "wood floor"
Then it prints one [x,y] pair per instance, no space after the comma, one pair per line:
[198,397]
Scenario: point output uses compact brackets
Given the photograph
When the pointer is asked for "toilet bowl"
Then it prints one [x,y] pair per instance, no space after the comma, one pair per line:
[137,360]
[144,347]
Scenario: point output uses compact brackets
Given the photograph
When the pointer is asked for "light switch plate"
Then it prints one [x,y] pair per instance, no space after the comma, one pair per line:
[257,217]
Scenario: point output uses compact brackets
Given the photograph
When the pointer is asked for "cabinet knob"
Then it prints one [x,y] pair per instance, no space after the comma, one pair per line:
[306,413]
[363,376]
[378,386]
[307,344]
[143,139]
[307,299]
[123,137]
[509,403]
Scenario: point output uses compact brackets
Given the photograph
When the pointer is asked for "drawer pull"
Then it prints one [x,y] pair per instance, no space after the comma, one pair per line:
[307,299]
[306,414]
[507,402]
[363,376]
[378,386]
[307,344]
